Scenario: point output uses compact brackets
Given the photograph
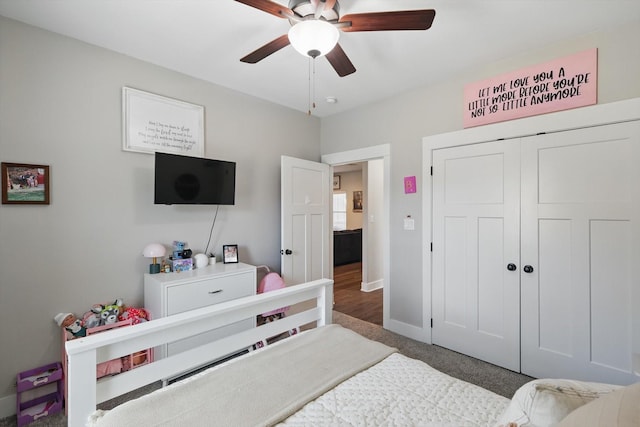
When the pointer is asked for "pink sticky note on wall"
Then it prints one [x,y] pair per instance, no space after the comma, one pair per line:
[409,184]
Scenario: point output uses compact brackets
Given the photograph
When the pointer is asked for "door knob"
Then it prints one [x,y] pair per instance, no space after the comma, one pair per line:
[511,267]
[528,269]
[285,252]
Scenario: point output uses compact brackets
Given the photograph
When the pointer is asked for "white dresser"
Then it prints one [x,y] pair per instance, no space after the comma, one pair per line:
[166,294]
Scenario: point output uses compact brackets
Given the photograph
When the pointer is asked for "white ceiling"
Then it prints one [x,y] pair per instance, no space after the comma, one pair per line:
[206,39]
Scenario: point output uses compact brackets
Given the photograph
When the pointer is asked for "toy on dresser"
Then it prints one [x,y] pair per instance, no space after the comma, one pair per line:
[181,257]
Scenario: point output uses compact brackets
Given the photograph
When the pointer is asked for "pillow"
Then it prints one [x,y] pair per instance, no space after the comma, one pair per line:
[546,402]
[619,408]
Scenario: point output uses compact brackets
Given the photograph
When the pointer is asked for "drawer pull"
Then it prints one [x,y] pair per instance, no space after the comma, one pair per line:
[217,291]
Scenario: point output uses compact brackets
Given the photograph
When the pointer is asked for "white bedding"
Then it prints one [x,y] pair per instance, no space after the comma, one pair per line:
[396,390]
[400,391]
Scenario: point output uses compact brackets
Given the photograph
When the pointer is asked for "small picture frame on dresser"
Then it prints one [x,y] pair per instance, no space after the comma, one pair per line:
[230,254]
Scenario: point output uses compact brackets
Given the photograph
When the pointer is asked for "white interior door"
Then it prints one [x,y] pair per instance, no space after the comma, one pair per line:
[476,201]
[580,197]
[306,223]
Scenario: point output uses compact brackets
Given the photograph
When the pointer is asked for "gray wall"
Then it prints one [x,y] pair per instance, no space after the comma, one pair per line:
[404,120]
[60,105]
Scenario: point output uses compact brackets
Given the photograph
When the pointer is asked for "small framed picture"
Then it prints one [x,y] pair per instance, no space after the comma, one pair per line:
[357,201]
[230,254]
[25,184]
[336,182]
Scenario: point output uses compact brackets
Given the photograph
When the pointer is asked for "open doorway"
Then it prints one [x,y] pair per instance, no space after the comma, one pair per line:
[358,275]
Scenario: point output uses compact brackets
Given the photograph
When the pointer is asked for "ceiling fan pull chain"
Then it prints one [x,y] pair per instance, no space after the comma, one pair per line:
[309,82]
[313,99]
[312,85]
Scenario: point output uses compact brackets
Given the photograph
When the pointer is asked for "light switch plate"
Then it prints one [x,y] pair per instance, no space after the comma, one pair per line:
[409,224]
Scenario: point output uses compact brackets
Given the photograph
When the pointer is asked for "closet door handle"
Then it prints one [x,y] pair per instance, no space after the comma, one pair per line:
[286,252]
[511,267]
[528,269]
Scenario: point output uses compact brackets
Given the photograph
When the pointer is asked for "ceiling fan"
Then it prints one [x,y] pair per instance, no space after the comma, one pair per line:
[315,24]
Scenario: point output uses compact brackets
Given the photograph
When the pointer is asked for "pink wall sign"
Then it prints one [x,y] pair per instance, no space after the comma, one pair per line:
[561,84]
[410,184]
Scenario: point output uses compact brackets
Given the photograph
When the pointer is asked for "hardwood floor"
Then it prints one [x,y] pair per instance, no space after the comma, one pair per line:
[350,300]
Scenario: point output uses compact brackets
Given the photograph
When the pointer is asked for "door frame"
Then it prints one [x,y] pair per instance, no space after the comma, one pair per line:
[595,115]
[383,152]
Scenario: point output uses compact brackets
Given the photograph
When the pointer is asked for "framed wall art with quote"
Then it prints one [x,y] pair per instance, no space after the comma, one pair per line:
[153,123]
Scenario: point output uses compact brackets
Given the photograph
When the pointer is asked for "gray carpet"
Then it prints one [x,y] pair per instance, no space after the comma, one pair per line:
[499,380]
[494,378]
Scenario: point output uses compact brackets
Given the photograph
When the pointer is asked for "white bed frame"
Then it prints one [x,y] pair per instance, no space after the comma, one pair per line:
[84,392]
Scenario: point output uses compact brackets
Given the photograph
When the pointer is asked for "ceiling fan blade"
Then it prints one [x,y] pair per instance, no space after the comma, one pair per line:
[389,21]
[266,50]
[340,61]
[269,7]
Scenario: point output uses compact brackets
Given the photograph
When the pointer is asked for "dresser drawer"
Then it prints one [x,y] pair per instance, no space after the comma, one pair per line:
[209,291]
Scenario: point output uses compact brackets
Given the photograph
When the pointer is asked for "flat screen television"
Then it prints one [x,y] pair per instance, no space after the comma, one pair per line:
[184,180]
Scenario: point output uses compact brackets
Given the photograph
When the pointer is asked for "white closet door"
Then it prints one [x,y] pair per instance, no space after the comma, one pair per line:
[580,236]
[476,205]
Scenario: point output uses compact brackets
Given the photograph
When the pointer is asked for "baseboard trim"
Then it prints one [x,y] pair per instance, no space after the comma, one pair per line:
[410,331]
[372,286]
[7,406]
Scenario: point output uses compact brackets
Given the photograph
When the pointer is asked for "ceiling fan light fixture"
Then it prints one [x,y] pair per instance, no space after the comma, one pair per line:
[313,37]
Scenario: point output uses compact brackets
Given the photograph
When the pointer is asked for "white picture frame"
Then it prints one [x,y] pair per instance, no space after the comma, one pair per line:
[153,123]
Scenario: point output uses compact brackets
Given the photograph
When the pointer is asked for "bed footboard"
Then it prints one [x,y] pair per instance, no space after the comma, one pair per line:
[83,354]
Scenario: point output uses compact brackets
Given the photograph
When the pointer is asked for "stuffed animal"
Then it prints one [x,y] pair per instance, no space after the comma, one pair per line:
[108,313]
[71,323]
[138,315]
[91,319]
